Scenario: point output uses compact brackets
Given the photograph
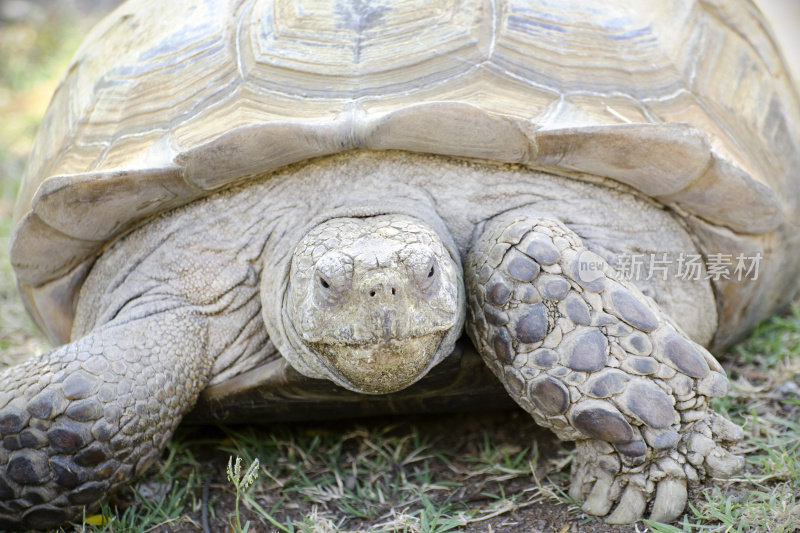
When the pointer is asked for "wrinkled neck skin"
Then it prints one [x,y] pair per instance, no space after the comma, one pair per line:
[389,326]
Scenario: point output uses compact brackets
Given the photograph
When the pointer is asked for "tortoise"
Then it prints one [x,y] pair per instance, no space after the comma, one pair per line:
[290,208]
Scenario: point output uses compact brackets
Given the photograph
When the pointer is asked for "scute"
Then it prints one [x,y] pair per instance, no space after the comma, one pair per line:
[673,163]
[688,102]
[96,205]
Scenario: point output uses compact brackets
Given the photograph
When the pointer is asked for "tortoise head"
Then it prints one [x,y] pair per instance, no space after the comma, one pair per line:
[372,300]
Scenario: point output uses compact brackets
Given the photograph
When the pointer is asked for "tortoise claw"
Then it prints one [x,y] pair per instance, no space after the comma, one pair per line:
[631,505]
[670,500]
[720,463]
[725,430]
[599,502]
[577,482]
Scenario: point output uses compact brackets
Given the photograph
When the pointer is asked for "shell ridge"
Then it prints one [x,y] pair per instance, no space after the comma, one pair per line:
[245,7]
[722,13]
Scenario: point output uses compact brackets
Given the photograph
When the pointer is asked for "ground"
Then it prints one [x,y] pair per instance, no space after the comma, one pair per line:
[487,472]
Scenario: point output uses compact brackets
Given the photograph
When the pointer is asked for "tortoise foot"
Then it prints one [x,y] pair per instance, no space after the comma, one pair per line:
[88,417]
[619,486]
[595,360]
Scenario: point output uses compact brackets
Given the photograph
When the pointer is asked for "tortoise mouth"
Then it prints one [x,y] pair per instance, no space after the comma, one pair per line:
[384,367]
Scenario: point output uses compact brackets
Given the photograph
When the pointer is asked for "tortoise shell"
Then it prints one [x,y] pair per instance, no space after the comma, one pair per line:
[688,102]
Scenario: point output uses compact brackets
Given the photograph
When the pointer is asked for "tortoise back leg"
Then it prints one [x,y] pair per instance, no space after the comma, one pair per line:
[592,358]
[88,417]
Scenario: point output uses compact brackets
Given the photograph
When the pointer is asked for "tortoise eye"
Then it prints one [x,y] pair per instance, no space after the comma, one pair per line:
[332,277]
[427,279]
[326,295]
[423,267]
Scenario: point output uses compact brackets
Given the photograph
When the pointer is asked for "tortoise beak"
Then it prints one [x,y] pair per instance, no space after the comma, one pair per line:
[381,368]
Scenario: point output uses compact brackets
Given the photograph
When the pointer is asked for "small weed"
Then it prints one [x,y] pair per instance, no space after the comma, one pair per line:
[242,483]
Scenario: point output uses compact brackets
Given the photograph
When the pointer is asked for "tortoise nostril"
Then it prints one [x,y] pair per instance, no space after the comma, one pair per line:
[372,293]
[393,291]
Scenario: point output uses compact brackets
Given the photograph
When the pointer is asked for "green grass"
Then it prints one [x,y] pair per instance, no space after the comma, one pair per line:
[413,475]
[375,476]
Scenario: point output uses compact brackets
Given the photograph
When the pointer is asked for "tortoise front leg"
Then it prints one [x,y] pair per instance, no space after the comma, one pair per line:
[90,416]
[592,358]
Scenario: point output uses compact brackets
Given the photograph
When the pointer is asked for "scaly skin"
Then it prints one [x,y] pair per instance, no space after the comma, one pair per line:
[90,416]
[592,358]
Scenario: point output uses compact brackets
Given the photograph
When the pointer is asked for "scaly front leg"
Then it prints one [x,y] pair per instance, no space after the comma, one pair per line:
[592,358]
[88,417]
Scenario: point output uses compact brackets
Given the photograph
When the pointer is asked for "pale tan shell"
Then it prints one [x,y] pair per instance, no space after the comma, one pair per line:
[688,102]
